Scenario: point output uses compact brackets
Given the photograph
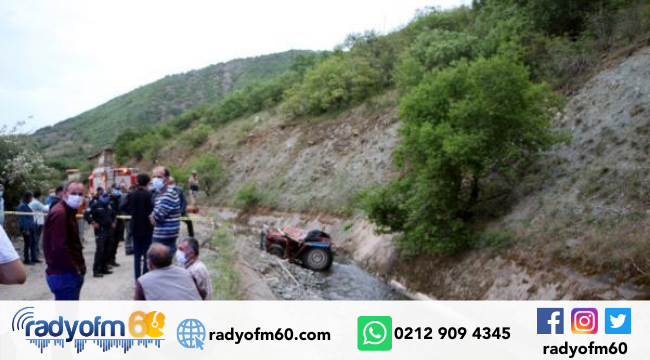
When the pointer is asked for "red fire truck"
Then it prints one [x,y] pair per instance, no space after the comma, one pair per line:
[104,174]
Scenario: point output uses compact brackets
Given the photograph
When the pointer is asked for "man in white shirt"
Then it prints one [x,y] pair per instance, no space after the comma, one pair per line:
[12,270]
[39,210]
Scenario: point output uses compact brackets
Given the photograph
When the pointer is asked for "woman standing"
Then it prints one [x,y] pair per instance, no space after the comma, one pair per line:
[193,182]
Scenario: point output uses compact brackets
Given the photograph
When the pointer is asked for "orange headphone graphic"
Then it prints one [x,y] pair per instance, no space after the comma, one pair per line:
[154,323]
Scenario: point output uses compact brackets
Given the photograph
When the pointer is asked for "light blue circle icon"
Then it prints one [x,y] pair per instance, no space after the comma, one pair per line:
[191,334]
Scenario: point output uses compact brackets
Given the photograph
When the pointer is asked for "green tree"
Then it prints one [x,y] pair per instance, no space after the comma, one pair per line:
[461,123]
[211,172]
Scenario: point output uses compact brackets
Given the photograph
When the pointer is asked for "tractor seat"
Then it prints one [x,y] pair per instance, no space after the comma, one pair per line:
[316,235]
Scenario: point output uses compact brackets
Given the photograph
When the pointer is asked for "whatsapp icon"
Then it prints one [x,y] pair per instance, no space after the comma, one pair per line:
[374,333]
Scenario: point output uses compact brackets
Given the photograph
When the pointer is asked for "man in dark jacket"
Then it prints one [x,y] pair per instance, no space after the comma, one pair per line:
[101,216]
[118,231]
[58,194]
[63,250]
[28,229]
[140,204]
[125,210]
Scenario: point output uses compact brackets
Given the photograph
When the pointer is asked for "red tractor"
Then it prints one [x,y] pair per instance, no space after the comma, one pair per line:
[312,249]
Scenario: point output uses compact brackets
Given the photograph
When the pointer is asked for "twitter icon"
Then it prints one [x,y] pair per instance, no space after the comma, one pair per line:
[618,321]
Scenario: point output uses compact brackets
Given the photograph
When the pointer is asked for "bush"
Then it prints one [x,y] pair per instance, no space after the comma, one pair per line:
[501,24]
[460,124]
[22,168]
[248,197]
[251,99]
[559,61]
[336,83]
[197,136]
[180,175]
[211,172]
[437,48]
[380,51]
[431,18]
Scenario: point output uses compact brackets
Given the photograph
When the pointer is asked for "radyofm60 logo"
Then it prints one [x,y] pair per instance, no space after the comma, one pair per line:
[104,333]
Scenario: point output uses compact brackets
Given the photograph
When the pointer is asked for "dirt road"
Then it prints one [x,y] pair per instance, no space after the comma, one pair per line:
[117,286]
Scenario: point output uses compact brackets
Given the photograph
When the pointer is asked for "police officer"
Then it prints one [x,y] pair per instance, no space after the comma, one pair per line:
[101,216]
[118,231]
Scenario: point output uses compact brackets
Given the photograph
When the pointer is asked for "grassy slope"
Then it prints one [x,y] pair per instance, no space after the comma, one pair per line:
[156,102]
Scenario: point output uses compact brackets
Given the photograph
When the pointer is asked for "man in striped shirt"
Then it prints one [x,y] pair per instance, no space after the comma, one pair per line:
[167,210]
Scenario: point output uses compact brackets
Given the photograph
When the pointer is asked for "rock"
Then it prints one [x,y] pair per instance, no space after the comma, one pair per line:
[571,243]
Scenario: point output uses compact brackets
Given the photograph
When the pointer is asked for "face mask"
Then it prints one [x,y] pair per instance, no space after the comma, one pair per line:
[117,193]
[104,200]
[74,201]
[158,183]
[180,257]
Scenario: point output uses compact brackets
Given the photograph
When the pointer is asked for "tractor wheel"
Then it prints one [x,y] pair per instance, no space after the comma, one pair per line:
[317,259]
[277,250]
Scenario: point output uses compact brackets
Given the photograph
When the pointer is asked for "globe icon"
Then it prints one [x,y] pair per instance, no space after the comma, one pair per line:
[189,331]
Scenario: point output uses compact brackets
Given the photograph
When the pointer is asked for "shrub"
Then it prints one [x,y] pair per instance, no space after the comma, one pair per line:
[210,171]
[180,175]
[251,99]
[248,197]
[197,136]
[22,168]
[437,48]
[336,83]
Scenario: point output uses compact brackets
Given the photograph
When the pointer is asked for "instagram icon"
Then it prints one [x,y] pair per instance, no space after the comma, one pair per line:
[584,321]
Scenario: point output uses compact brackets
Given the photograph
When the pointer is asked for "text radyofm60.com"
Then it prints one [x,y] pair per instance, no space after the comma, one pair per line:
[277,335]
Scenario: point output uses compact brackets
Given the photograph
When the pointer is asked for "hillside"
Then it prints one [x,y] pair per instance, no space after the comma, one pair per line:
[573,228]
[156,102]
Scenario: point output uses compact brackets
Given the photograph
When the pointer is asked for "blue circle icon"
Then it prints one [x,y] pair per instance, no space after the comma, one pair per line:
[191,334]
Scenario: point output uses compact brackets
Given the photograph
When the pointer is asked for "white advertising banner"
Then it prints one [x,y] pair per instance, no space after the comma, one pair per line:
[324,330]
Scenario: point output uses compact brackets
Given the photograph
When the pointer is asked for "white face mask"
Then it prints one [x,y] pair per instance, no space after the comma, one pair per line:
[180,257]
[74,201]
[158,183]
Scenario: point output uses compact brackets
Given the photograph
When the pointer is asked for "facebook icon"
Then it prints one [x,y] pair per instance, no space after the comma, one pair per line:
[550,321]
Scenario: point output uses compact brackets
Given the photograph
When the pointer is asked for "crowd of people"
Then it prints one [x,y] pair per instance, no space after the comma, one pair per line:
[146,217]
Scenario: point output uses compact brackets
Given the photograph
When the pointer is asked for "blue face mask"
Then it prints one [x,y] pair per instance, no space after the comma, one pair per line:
[104,199]
[116,193]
